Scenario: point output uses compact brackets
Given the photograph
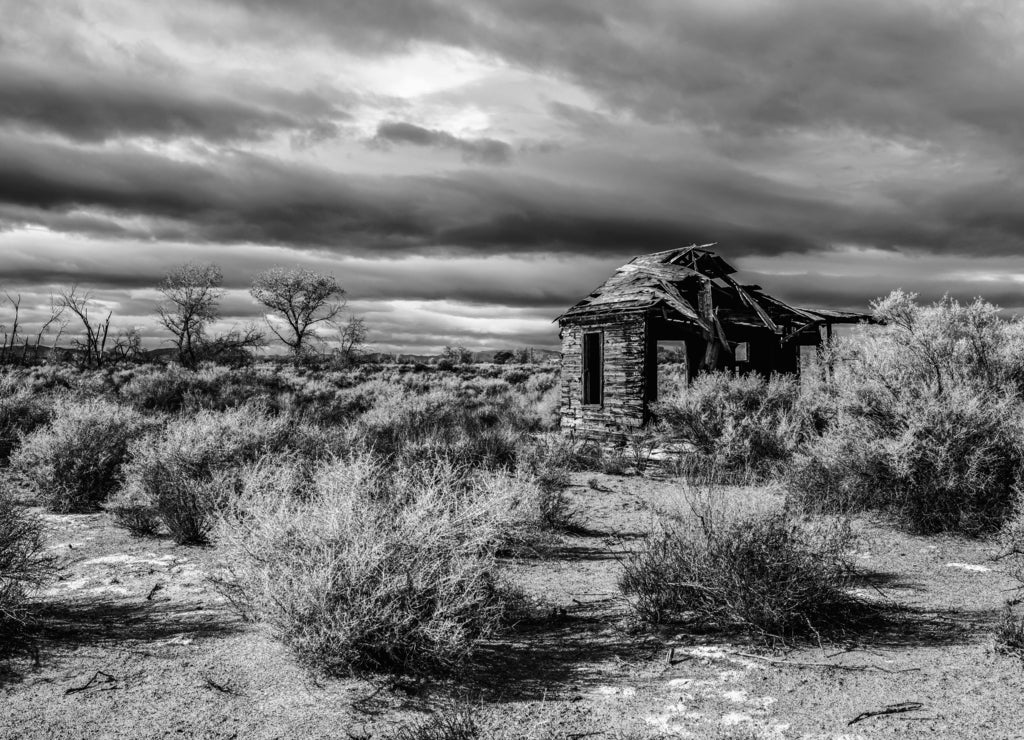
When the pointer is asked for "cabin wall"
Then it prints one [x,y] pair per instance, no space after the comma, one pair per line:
[623,408]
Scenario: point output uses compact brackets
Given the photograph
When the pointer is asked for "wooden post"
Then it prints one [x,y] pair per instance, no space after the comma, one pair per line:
[706,308]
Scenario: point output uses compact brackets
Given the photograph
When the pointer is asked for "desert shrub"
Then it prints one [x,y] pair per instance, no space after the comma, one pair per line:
[934,462]
[48,378]
[21,412]
[75,461]
[165,389]
[939,346]
[555,509]
[953,465]
[356,578]
[173,388]
[925,420]
[181,473]
[743,425]
[24,564]
[1009,634]
[562,452]
[337,406]
[461,422]
[136,514]
[767,573]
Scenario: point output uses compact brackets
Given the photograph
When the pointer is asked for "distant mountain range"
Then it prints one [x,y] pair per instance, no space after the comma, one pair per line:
[164,354]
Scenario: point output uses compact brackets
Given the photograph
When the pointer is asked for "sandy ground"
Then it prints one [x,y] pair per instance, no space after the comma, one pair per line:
[136,643]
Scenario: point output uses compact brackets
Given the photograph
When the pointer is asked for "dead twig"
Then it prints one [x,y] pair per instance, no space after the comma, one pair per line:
[672,660]
[834,666]
[906,706]
[223,689]
[99,678]
[152,591]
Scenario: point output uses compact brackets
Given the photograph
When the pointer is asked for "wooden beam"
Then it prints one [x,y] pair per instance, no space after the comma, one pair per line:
[749,300]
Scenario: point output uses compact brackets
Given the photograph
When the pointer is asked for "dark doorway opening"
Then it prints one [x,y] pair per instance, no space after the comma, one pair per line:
[593,371]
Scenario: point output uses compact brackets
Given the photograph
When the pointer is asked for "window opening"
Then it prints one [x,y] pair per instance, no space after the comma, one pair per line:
[593,371]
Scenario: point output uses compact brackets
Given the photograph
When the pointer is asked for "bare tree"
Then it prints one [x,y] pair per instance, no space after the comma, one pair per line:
[234,347]
[96,330]
[353,336]
[193,294]
[524,355]
[303,298]
[127,346]
[11,335]
[56,319]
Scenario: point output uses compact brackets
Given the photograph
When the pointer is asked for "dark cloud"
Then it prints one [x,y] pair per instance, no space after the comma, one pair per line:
[94,106]
[483,150]
[856,293]
[248,198]
[245,198]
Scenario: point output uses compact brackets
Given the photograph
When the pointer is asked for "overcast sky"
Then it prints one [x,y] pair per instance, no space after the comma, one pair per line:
[470,168]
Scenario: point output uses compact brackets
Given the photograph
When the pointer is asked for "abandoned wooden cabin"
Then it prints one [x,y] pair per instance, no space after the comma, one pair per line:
[686,296]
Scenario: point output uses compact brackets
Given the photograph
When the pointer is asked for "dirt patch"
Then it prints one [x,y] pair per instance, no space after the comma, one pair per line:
[135,642]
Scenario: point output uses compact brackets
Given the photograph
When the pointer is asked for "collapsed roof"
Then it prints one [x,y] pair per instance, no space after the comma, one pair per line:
[674,281]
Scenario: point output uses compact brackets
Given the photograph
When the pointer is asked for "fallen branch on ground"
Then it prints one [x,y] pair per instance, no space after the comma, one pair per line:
[907,706]
[223,689]
[95,681]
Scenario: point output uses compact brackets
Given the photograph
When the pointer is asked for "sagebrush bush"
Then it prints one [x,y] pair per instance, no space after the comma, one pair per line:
[21,412]
[939,346]
[356,578]
[768,573]
[477,425]
[166,389]
[741,425]
[926,420]
[935,463]
[76,460]
[555,509]
[24,564]
[182,473]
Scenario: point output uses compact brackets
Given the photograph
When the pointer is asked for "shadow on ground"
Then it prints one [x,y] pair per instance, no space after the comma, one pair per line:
[104,621]
[96,622]
[569,653]
[558,657]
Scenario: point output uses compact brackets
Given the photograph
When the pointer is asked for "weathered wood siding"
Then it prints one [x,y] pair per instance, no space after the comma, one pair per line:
[625,344]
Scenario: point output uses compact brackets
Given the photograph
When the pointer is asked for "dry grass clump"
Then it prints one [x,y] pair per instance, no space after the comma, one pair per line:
[75,461]
[357,576]
[23,564]
[767,573]
[456,722]
[1009,636]
[178,476]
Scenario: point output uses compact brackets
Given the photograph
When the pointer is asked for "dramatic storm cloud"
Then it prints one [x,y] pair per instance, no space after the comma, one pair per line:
[469,169]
